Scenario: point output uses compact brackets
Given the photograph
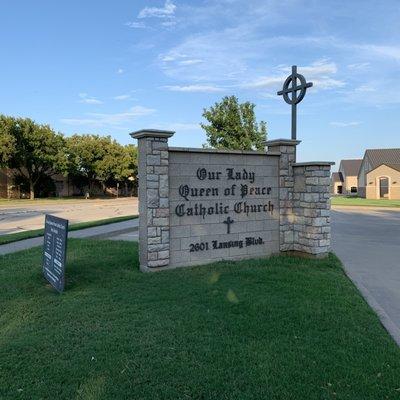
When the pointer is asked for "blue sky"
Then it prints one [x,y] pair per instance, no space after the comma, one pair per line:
[114,67]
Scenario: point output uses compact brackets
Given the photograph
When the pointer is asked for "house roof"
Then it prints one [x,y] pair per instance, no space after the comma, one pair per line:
[337,177]
[393,166]
[377,157]
[351,167]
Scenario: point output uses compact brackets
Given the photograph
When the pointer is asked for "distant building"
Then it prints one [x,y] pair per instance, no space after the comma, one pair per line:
[346,180]
[376,176]
[337,183]
[11,187]
[379,175]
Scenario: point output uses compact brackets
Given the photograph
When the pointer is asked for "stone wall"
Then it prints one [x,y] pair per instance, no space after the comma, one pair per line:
[287,150]
[154,226]
[311,208]
[194,209]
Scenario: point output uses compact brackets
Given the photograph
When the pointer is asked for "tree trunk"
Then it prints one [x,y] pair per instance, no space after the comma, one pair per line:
[32,190]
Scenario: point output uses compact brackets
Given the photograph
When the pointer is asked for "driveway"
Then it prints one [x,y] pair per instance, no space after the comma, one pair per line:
[20,217]
[367,240]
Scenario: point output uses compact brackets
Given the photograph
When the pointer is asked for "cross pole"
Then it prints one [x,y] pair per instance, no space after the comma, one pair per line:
[293,88]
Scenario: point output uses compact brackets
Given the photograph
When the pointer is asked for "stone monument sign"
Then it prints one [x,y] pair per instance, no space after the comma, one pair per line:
[198,206]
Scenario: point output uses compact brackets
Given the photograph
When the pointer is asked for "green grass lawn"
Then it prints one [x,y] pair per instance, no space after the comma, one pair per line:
[279,328]
[358,201]
[15,237]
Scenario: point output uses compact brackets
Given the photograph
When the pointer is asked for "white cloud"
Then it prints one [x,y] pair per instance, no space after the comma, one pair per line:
[169,23]
[359,66]
[194,88]
[179,126]
[136,25]
[240,46]
[122,97]
[317,68]
[102,119]
[120,71]
[384,51]
[365,88]
[327,83]
[190,62]
[265,82]
[158,12]
[318,72]
[91,101]
[88,100]
[345,124]
[167,58]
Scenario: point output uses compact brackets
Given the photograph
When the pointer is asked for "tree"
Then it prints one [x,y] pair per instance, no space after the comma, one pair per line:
[85,153]
[34,150]
[129,168]
[233,126]
[100,158]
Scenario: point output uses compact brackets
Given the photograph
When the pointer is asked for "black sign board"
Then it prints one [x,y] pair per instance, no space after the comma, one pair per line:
[55,251]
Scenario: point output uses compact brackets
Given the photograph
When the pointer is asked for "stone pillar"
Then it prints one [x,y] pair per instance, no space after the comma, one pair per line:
[311,206]
[153,198]
[287,148]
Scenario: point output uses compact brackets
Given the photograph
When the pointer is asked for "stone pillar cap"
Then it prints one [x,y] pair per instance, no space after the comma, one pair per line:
[282,142]
[159,133]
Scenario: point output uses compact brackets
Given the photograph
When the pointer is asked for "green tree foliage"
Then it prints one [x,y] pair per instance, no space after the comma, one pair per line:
[34,150]
[94,158]
[233,126]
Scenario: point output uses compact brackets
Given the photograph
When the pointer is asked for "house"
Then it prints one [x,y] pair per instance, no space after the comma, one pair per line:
[13,186]
[337,183]
[379,175]
[345,181]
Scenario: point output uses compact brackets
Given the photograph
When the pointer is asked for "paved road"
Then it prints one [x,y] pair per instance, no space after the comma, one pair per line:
[367,241]
[126,230]
[20,217]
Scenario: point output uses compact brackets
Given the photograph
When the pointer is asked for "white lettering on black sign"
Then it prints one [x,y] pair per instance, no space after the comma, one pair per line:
[54,251]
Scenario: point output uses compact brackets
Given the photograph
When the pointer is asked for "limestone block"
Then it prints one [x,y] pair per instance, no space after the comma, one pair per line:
[158,263]
[152,198]
[160,221]
[164,189]
[153,159]
[162,255]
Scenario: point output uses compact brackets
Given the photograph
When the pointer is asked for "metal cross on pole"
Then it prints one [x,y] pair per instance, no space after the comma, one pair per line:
[294,100]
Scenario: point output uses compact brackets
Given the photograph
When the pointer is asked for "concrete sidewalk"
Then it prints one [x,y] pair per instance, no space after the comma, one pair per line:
[126,230]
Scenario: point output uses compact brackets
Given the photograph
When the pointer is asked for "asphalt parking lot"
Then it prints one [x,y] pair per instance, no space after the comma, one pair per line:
[18,217]
[367,240]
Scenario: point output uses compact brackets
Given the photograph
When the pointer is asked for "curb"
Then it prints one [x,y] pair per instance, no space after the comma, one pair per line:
[386,321]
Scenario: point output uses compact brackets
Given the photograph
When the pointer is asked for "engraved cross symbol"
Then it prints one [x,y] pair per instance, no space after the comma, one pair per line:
[292,89]
[228,223]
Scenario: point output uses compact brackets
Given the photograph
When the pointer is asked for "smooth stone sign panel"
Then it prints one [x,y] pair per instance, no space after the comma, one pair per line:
[223,206]
[55,251]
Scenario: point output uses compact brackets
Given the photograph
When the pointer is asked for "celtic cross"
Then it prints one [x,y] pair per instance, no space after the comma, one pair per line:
[295,99]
